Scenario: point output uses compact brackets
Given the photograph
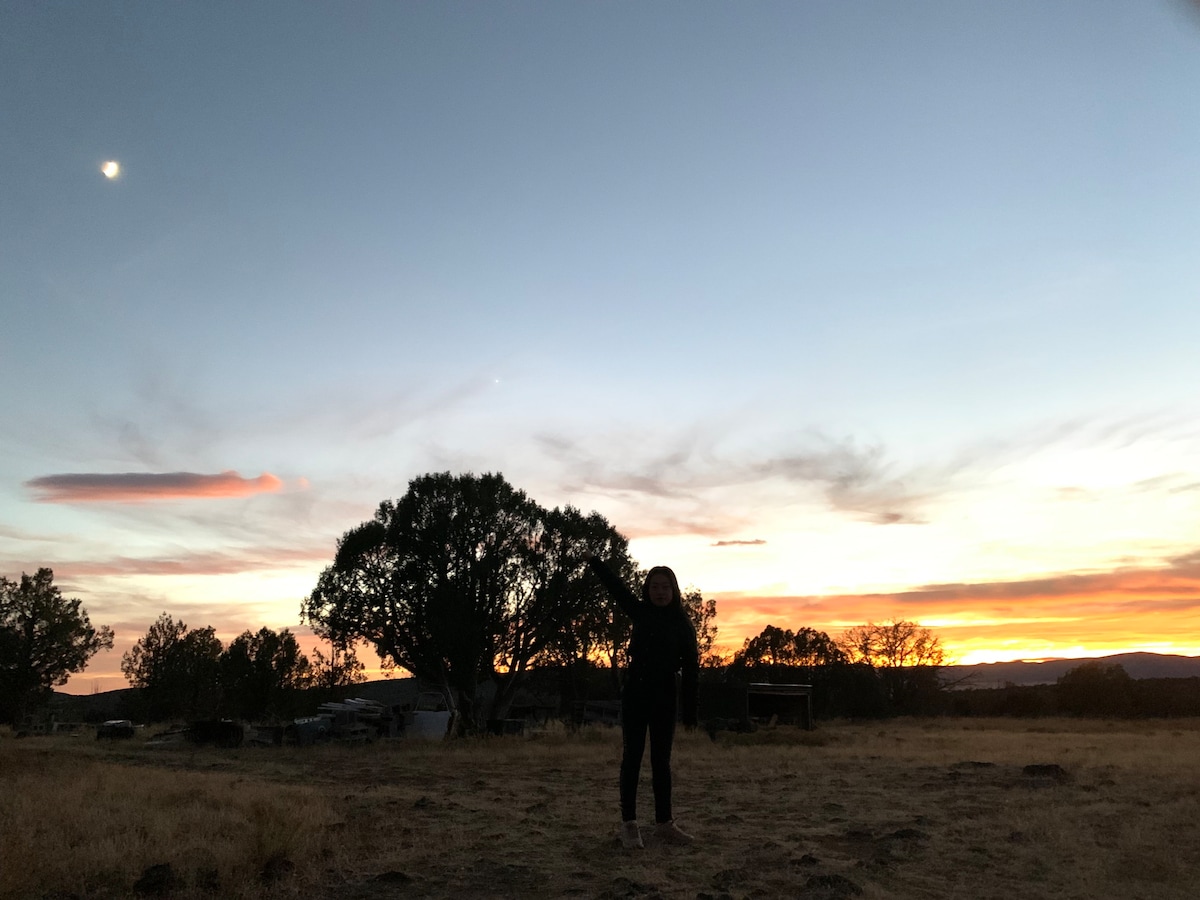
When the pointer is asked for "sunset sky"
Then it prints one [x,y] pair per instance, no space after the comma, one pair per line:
[845,310]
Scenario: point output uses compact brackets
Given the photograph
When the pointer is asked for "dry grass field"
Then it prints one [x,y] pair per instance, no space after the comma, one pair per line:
[902,809]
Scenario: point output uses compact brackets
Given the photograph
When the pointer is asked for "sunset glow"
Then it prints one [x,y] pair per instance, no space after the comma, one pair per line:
[845,313]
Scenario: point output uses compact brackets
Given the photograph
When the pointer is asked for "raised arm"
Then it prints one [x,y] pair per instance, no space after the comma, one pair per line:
[617,589]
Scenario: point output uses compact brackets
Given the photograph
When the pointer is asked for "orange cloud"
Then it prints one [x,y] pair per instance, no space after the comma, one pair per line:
[1062,615]
[141,487]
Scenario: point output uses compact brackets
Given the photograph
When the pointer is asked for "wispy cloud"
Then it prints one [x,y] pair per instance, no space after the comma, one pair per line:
[18,534]
[852,478]
[198,563]
[141,487]
[721,477]
[752,543]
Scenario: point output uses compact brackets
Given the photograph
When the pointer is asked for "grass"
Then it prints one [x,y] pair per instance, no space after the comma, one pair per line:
[903,809]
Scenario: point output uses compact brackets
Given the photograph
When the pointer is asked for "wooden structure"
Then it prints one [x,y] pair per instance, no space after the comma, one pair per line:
[740,706]
[786,703]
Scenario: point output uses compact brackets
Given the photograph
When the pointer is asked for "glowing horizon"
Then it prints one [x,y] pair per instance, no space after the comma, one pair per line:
[843,313]
[979,631]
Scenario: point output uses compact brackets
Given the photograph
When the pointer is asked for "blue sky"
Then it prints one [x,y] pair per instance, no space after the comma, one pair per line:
[905,292]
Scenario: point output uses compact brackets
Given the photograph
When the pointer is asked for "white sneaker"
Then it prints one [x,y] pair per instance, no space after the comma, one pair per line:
[631,836]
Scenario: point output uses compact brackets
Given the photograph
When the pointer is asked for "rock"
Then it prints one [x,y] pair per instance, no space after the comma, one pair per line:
[157,881]
[1051,771]
[207,880]
[626,888]
[276,868]
[393,877]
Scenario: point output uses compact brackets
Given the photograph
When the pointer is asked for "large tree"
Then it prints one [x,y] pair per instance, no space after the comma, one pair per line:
[178,670]
[44,639]
[463,579]
[780,649]
[262,674]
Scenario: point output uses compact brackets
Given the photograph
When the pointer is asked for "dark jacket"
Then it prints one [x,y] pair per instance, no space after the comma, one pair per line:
[663,641]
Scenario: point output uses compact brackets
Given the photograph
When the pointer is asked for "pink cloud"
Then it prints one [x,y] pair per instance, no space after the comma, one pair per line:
[142,487]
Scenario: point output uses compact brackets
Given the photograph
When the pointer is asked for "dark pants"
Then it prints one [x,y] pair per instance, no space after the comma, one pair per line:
[647,704]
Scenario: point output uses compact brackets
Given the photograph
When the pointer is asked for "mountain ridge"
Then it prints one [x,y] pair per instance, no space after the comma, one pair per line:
[1025,672]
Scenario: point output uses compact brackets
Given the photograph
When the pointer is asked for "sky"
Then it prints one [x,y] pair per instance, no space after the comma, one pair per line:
[847,311]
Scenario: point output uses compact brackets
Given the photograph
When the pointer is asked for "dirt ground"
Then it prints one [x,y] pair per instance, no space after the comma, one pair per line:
[902,809]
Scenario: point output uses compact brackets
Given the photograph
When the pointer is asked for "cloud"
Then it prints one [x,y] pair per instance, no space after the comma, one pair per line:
[199,563]
[18,534]
[752,543]
[1095,611]
[141,487]
[852,478]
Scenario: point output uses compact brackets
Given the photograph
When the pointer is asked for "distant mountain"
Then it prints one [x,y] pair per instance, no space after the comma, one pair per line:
[1138,665]
[92,707]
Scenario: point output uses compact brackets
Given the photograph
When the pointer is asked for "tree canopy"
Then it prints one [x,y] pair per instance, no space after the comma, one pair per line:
[44,639]
[893,645]
[872,670]
[261,673]
[464,579]
[777,647]
[906,658]
[1096,688]
[185,673]
[177,669]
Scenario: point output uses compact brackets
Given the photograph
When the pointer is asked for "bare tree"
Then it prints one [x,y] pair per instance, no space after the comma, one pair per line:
[906,657]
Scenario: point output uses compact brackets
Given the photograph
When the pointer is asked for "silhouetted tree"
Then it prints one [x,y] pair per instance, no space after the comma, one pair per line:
[584,633]
[805,656]
[178,670]
[703,615]
[340,669]
[262,674]
[464,578]
[783,649]
[1096,688]
[906,658]
[44,639]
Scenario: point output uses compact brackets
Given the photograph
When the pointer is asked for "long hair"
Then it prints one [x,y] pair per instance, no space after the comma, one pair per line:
[676,596]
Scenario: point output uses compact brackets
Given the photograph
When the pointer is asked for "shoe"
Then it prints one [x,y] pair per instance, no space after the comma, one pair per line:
[669,833]
[631,836]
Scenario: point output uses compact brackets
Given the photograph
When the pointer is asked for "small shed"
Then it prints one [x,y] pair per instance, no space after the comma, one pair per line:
[739,705]
[789,704]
